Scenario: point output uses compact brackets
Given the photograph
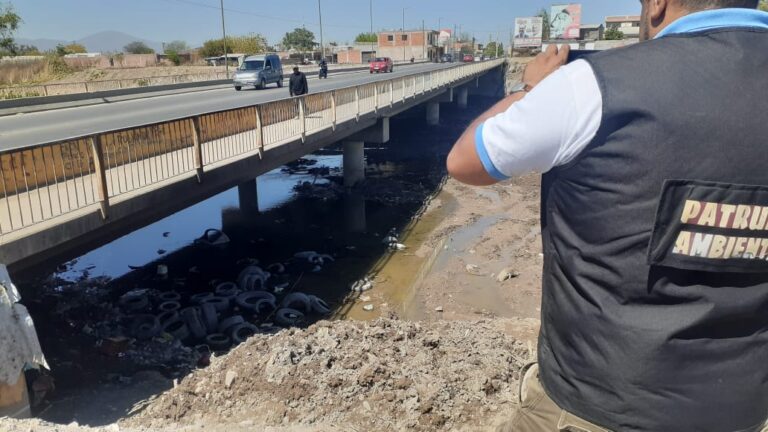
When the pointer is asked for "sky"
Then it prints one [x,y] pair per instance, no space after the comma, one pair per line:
[195,21]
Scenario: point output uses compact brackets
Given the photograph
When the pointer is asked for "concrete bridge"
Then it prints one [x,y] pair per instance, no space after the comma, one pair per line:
[64,196]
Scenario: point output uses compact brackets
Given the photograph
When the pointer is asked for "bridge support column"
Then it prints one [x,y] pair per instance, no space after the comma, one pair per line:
[354,162]
[463,97]
[248,196]
[433,113]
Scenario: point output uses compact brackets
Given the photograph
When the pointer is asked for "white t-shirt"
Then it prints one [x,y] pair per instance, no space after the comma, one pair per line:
[549,127]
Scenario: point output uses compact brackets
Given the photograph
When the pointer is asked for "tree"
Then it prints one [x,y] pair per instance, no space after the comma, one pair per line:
[466,49]
[614,34]
[367,38]
[299,39]
[491,51]
[27,50]
[763,5]
[73,48]
[251,44]
[138,47]
[9,23]
[176,46]
[544,14]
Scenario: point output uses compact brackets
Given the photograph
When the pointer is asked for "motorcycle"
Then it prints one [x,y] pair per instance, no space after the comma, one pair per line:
[323,72]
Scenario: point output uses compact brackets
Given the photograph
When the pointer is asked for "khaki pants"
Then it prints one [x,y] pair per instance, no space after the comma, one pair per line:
[539,413]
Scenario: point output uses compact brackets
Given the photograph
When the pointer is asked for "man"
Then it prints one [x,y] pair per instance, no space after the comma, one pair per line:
[297,85]
[654,223]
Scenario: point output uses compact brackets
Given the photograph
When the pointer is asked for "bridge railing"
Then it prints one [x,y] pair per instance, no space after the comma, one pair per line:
[50,180]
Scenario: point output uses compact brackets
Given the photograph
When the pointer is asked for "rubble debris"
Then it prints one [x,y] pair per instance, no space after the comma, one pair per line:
[414,376]
[507,274]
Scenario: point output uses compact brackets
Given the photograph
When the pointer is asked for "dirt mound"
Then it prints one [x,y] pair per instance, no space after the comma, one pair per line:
[386,375]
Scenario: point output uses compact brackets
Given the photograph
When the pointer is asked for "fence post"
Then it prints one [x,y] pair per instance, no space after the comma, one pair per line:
[376,98]
[259,131]
[333,108]
[100,176]
[391,93]
[414,86]
[45,90]
[85,84]
[197,148]
[357,104]
[302,119]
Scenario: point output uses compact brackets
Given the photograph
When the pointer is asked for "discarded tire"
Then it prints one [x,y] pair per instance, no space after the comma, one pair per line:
[177,328]
[288,317]
[192,317]
[198,298]
[228,290]
[134,303]
[169,296]
[169,306]
[230,322]
[210,317]
[241,332]
[250,300]
[299,301]
[145,327]
[168,316]
[218,341]
[252,278]
[319,305]
[264,307]
[220,303]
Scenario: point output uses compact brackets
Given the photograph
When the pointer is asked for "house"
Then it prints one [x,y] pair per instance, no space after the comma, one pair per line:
[404,45]
[354,54]
[627,24]
[591,32]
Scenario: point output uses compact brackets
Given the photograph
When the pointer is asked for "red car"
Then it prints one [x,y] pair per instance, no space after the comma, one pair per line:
[382,64]
[469,58]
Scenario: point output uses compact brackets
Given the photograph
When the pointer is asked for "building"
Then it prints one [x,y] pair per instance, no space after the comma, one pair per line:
[354,54]
[627,24]
[591,32]
[404,45]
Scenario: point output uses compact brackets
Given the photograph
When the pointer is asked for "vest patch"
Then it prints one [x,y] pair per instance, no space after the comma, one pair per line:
[713,227]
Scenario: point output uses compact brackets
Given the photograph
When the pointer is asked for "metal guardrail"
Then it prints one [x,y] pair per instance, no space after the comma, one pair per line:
[56,179]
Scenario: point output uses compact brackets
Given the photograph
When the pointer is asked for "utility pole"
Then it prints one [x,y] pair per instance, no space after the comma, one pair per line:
[401,38]
[424,45]
[224,32]
[497,46]
[322,46]
[371,10]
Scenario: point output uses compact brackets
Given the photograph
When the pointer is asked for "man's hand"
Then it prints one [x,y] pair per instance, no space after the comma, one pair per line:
[545,63]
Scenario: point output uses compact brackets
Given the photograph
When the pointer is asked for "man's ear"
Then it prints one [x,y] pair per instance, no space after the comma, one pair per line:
[657,11]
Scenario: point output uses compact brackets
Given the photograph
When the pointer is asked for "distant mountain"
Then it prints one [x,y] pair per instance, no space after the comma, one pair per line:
[106,41]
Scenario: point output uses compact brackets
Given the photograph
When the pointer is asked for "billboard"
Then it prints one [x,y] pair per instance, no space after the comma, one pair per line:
[565,21]
[528,32]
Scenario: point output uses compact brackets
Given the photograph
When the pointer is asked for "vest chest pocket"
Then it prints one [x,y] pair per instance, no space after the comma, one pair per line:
[713,227]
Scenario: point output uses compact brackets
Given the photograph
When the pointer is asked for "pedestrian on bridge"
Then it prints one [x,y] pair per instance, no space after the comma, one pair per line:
[297,85]
[654,223]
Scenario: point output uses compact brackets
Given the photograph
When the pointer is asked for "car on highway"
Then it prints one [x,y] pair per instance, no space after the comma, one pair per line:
[382,64]
[259,71]
[446,58]
[469,58]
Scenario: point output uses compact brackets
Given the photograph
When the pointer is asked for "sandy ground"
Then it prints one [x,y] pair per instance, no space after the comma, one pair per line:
[135,73]
[490,231]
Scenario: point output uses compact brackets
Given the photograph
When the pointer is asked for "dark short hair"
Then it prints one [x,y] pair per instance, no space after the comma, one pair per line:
[695,5]
[295,68]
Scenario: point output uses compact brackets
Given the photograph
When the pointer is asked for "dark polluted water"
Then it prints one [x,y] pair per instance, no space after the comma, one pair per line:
[137,304]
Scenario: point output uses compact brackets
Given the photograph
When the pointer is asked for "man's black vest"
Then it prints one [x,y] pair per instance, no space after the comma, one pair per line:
[655,302]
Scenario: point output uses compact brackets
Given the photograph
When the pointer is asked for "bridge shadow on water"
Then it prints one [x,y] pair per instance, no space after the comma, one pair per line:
[101,370]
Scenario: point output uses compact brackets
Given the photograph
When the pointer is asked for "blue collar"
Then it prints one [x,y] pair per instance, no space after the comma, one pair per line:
[717,18]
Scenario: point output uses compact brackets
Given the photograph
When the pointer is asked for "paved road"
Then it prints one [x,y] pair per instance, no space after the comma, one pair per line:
[35,128]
